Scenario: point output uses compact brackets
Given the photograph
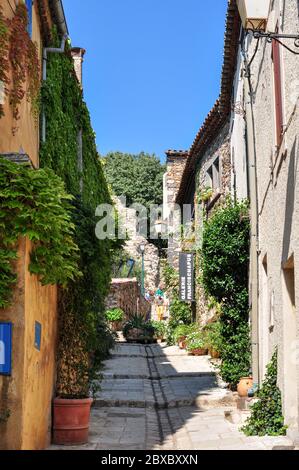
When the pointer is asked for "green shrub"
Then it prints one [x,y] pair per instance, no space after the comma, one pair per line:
[114,315]
[160,328]
[225,259]
[214,337]
[196,340]
[180,312]
[266,417]
[183,331]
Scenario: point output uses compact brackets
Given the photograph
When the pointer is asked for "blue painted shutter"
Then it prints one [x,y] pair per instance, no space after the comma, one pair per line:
[29,8]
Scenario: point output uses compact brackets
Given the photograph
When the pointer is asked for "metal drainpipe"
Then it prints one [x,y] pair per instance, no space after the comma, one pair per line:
[46,51]
[254,236]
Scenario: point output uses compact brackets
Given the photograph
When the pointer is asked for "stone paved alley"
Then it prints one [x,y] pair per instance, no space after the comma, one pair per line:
[159,398]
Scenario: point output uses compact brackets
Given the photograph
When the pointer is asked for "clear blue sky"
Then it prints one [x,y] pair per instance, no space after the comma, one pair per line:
[152,69]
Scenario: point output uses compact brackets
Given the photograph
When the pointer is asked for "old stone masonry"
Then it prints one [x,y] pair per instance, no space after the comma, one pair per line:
[159,398]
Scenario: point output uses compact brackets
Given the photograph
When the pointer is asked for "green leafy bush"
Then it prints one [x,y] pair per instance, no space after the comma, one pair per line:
[266,417]
[196,340]
[213,337]
[180,312]
[225,259]
[114,315]
[183,331]
[160,328]
[34,204]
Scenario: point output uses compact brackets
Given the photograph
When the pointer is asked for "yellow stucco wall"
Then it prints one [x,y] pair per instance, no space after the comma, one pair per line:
[28,393]
[27,137]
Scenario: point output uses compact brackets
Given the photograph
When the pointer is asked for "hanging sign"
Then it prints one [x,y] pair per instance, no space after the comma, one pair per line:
[5,348]
[187,277]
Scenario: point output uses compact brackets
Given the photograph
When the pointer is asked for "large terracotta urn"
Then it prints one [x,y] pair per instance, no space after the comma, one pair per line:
[71,421]
[245,384]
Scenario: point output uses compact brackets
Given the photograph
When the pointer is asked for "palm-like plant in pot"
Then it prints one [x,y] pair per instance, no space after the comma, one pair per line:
[137,329]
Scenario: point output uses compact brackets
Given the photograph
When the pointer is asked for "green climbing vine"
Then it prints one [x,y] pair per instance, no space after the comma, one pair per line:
[81,349]
[266,417]
[35,204]
[24,63]
[225,258]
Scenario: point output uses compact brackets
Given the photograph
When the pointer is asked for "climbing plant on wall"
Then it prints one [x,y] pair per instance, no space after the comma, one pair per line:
[4,63]
[225,258]
[24,62]
[19,55]
[66,115]
[266,417]
[34,204]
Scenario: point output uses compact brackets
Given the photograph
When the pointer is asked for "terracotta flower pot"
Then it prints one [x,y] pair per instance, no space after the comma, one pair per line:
[214,354]
[182,342]
[71,421]
[199,352]
[245,384]
[116,326]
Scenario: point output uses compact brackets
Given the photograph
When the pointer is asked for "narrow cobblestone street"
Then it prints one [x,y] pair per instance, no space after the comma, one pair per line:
[159,398]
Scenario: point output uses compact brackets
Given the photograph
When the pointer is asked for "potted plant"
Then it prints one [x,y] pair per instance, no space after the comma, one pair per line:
[71,408]
[115,317]
[137,330]
[160,328]
[181,332]
[196,344]
[214,340]
[245,384]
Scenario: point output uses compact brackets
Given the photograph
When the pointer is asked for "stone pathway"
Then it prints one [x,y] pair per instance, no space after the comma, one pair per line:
[159,398]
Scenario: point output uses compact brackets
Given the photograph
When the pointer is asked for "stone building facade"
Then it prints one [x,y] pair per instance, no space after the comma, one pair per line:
[175,164]
[128,220]
[275,99]
[254,128]
[208,176]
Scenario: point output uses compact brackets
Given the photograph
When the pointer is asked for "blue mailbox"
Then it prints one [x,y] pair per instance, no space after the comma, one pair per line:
[5,348]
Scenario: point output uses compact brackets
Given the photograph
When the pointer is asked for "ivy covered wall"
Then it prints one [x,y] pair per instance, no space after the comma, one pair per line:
[82,304]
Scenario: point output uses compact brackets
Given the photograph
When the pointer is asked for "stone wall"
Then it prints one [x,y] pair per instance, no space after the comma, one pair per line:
[176,162]
[127,218]
[126,294]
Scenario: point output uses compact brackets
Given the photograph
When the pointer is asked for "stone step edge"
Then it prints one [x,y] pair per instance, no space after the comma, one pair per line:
[204,402]
[144,356]
[156,376]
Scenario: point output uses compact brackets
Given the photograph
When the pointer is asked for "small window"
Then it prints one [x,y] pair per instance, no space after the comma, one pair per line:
[216,174]
[213,175]
[29,9]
